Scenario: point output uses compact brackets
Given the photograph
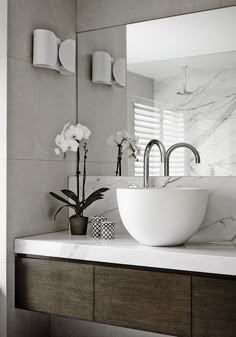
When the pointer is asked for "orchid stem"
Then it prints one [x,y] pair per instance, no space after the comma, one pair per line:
[119,159]
[84,173]
[78,173]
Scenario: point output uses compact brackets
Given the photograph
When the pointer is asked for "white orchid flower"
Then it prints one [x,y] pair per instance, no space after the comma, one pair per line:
[119,137]
[85,129]
[127,142]
[126,135]
[74,132]
[70,137]
[60,140]
[58,151]
[139,150]
[73,145]
[67,145]
[111,141]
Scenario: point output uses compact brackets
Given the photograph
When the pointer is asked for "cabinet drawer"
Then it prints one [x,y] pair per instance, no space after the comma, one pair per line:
[214,307]
[145,300]
[55,287]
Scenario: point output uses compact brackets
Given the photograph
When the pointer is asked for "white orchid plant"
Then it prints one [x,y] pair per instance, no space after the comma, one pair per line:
[70,140]
[124,141]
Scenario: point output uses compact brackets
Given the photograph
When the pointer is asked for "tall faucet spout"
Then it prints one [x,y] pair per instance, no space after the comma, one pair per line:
[147,151]
[176,146]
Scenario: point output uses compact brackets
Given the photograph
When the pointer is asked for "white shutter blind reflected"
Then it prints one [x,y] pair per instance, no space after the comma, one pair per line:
[165,125]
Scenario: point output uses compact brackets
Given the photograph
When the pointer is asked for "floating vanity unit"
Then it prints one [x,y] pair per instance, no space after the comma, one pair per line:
[183,291]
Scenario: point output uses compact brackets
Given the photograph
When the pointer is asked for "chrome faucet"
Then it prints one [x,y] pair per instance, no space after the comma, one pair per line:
[176,146]
[146,158]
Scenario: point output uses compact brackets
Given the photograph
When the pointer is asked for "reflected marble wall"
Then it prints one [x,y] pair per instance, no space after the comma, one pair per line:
[209,115]
[220,220]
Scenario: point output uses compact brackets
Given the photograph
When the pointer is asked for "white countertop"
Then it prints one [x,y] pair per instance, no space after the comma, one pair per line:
[204,258]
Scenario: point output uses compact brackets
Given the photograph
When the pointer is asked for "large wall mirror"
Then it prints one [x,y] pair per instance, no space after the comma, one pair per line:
[181,87]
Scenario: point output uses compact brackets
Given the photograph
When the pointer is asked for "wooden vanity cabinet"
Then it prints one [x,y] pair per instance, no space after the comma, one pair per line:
[144,300]
[55,287]
[182,305]
[213,307]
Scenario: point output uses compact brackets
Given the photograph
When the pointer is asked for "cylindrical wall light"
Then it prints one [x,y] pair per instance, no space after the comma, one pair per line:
[49,52]
[102,68]
[106,71]
[45,49]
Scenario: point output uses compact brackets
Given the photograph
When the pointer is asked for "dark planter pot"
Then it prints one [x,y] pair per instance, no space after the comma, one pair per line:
[78,225]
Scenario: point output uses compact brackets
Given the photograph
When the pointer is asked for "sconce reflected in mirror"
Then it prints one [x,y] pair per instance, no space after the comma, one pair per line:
[102,68]
[49,52]
[107,71]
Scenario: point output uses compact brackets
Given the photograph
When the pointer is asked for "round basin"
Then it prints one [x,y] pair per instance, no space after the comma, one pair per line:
[162,217]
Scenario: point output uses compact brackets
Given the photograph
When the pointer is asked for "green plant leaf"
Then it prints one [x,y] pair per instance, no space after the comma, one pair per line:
[89,201]
[59,209]
[70,194]
[100,195]
[56,196]
[99,191]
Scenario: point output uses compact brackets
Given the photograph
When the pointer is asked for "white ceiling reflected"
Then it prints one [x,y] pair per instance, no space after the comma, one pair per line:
[204,41]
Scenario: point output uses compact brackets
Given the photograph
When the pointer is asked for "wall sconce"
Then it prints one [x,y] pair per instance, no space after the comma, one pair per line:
[50,52]
[107,71]
[101,68]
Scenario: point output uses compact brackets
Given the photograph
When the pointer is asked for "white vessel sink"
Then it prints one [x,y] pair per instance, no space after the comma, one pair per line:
[162,217]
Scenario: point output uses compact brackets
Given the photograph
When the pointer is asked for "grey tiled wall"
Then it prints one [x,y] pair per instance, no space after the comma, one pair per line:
[40,101]
[93,14]
[3,118]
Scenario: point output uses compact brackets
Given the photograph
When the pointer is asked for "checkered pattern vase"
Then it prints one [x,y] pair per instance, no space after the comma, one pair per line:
[95,223]
[107,230]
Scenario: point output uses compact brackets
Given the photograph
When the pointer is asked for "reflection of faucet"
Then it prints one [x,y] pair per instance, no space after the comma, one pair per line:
[146,158]
[176,146]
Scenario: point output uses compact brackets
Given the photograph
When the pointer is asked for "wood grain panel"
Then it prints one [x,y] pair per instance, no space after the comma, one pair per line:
[55,287]
[214,307]
[145,300]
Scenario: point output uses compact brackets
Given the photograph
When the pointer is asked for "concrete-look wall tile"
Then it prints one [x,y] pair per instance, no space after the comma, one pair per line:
[62,327]
[226,3]
[3,229]
[93,14]
[3,299]
[3,156]
[20,322]
[3,107]
[30,207]
[101,105]
[3,27]
[3,171]
[40,101]
[25,16]
[103,109]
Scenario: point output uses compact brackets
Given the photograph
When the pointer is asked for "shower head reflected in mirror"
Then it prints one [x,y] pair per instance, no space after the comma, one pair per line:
[185,92]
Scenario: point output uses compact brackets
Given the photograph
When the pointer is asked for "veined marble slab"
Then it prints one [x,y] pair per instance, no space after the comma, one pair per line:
[208,114]
[220,220]
[204,258]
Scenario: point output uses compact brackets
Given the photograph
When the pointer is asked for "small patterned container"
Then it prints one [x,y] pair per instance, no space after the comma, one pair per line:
[108,230]
[95,223]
